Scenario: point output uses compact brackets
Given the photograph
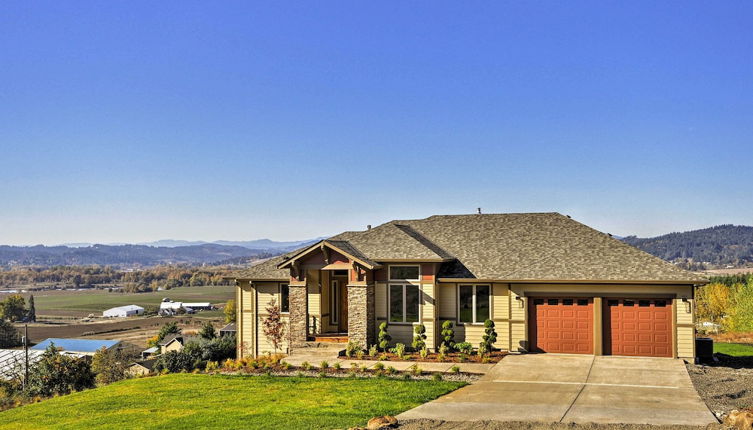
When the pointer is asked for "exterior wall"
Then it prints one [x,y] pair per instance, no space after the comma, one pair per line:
[466,332]
[361,314]
[684,329]
[298,318]
[172,346]
[314,300]
[252,303]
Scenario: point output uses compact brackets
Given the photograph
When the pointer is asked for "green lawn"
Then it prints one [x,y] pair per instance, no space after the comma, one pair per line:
[218,401]
[734,349]
[96,301]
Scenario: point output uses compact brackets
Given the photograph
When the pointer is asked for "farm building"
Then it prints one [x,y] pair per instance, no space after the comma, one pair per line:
[12,362]
[123,311]
[76,346]
[169,307]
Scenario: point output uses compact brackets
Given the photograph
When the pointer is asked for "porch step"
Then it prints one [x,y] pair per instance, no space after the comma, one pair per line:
[331,339]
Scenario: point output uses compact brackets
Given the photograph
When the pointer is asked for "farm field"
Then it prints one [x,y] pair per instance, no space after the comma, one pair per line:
[79,304]
[224,401]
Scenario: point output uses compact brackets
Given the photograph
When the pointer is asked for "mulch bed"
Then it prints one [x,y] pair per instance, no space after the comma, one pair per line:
[724,385]
[455,357]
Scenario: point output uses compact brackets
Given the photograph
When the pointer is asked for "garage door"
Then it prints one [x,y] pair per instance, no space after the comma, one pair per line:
[641,327]
[563,325]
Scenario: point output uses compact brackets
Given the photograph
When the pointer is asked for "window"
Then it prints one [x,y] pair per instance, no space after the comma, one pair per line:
[660,303]
[552,302]
[284,298]
[644,303]
[582,302]
[334,301]
[404,301]
[404,273]
[474,303]
[628,303]
[567,302]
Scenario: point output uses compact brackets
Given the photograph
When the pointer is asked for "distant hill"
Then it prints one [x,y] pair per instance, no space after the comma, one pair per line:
[708,248]
[173,243]
[140,255]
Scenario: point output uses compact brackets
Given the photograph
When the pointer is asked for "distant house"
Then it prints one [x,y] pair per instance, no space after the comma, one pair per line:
[228,330]
[175,342]
[141,368]
[123,311]
[76,346]
[150,352]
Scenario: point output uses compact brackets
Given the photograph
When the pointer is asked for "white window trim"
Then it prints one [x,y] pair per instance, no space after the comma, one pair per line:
[279,293]
[391,279]
[473,304]
[405,303]
[334,301]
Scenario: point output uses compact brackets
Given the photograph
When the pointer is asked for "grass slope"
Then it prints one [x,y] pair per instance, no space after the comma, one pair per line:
[219,401]
[734,349]
[85,302]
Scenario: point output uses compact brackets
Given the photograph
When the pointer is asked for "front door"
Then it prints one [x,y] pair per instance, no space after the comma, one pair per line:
[339,303]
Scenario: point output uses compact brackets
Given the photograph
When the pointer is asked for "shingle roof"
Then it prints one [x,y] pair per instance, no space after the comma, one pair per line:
[505,247]
[265,270]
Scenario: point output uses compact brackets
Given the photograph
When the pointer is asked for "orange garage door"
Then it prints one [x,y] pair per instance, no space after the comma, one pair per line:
[562,325]
[641,327]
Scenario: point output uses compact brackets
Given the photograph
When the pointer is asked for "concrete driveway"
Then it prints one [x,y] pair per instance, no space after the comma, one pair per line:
[575,388]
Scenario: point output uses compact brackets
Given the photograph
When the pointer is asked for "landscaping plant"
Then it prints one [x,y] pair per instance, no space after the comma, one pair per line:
[373,351]
[448,334]
[419,337]
[274,326]
[399,350]
[464,347]
[384,337]
[488,339]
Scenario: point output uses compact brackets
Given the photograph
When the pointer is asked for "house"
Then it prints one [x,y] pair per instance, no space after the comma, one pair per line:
[175,342]
[76,346]
[141,368]
[123,311]
[229,329]
[150,352]
[548,282]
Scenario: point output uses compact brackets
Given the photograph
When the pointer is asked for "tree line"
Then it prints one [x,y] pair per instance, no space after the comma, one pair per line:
[150,279]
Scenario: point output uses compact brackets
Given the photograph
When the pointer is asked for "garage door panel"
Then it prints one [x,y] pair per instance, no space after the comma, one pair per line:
[638,327]
[563,325]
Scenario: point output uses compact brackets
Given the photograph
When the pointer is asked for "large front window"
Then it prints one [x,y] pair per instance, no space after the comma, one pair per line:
[404,301]
[284,298]
[473,301]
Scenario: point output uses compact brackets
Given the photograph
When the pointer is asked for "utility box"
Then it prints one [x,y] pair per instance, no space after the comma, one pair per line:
[704,349]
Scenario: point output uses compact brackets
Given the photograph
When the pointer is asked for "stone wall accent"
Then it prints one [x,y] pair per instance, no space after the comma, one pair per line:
[298,326]
[361,314]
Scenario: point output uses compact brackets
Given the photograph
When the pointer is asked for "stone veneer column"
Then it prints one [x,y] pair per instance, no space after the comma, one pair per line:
[361,314]
[298,325]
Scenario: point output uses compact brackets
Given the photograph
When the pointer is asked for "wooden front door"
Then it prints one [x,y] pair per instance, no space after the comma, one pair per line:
[561,324]
[339,303]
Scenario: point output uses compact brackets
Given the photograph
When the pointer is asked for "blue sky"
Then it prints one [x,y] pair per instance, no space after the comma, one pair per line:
[135,121]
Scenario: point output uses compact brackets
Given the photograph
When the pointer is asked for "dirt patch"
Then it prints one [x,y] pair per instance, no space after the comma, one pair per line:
[726,384]
[532,425]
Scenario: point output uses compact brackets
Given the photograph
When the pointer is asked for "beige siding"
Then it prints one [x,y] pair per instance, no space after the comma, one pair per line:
[381,300]
[469,333]
[265,346]
[447,294]
[685,342]
[428,313]
[314,301]
[266,292]
[401,333]
[501,315]
[518,321]
[246,317]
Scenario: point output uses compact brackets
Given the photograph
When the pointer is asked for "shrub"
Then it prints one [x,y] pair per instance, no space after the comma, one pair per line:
[384,337]
[337,366]
[359,354]
[424,352]
[391,370]
[306,365]
[436,377]
[399,350]
[464,347]
[207,331]
[406,376]
[352,348]
[455,369]
[379,366]
[373,351]
[285,365]
[383,357]
[174,362]
[448,334]
[488,339]
[419,337]
[110,365]
[322,374]
[212,366]
[56,374]
[324,364]
[442,352]
[415,370]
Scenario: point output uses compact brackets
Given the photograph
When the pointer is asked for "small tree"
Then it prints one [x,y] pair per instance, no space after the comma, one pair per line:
[448,334]
[273,326]
[384,337]
[230,311]
[165,331]
[207,331]
[13,308]
[58,374]
[488,339]
[174,362]
[110,365]
[31,312]
[419,337]
[9,336]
